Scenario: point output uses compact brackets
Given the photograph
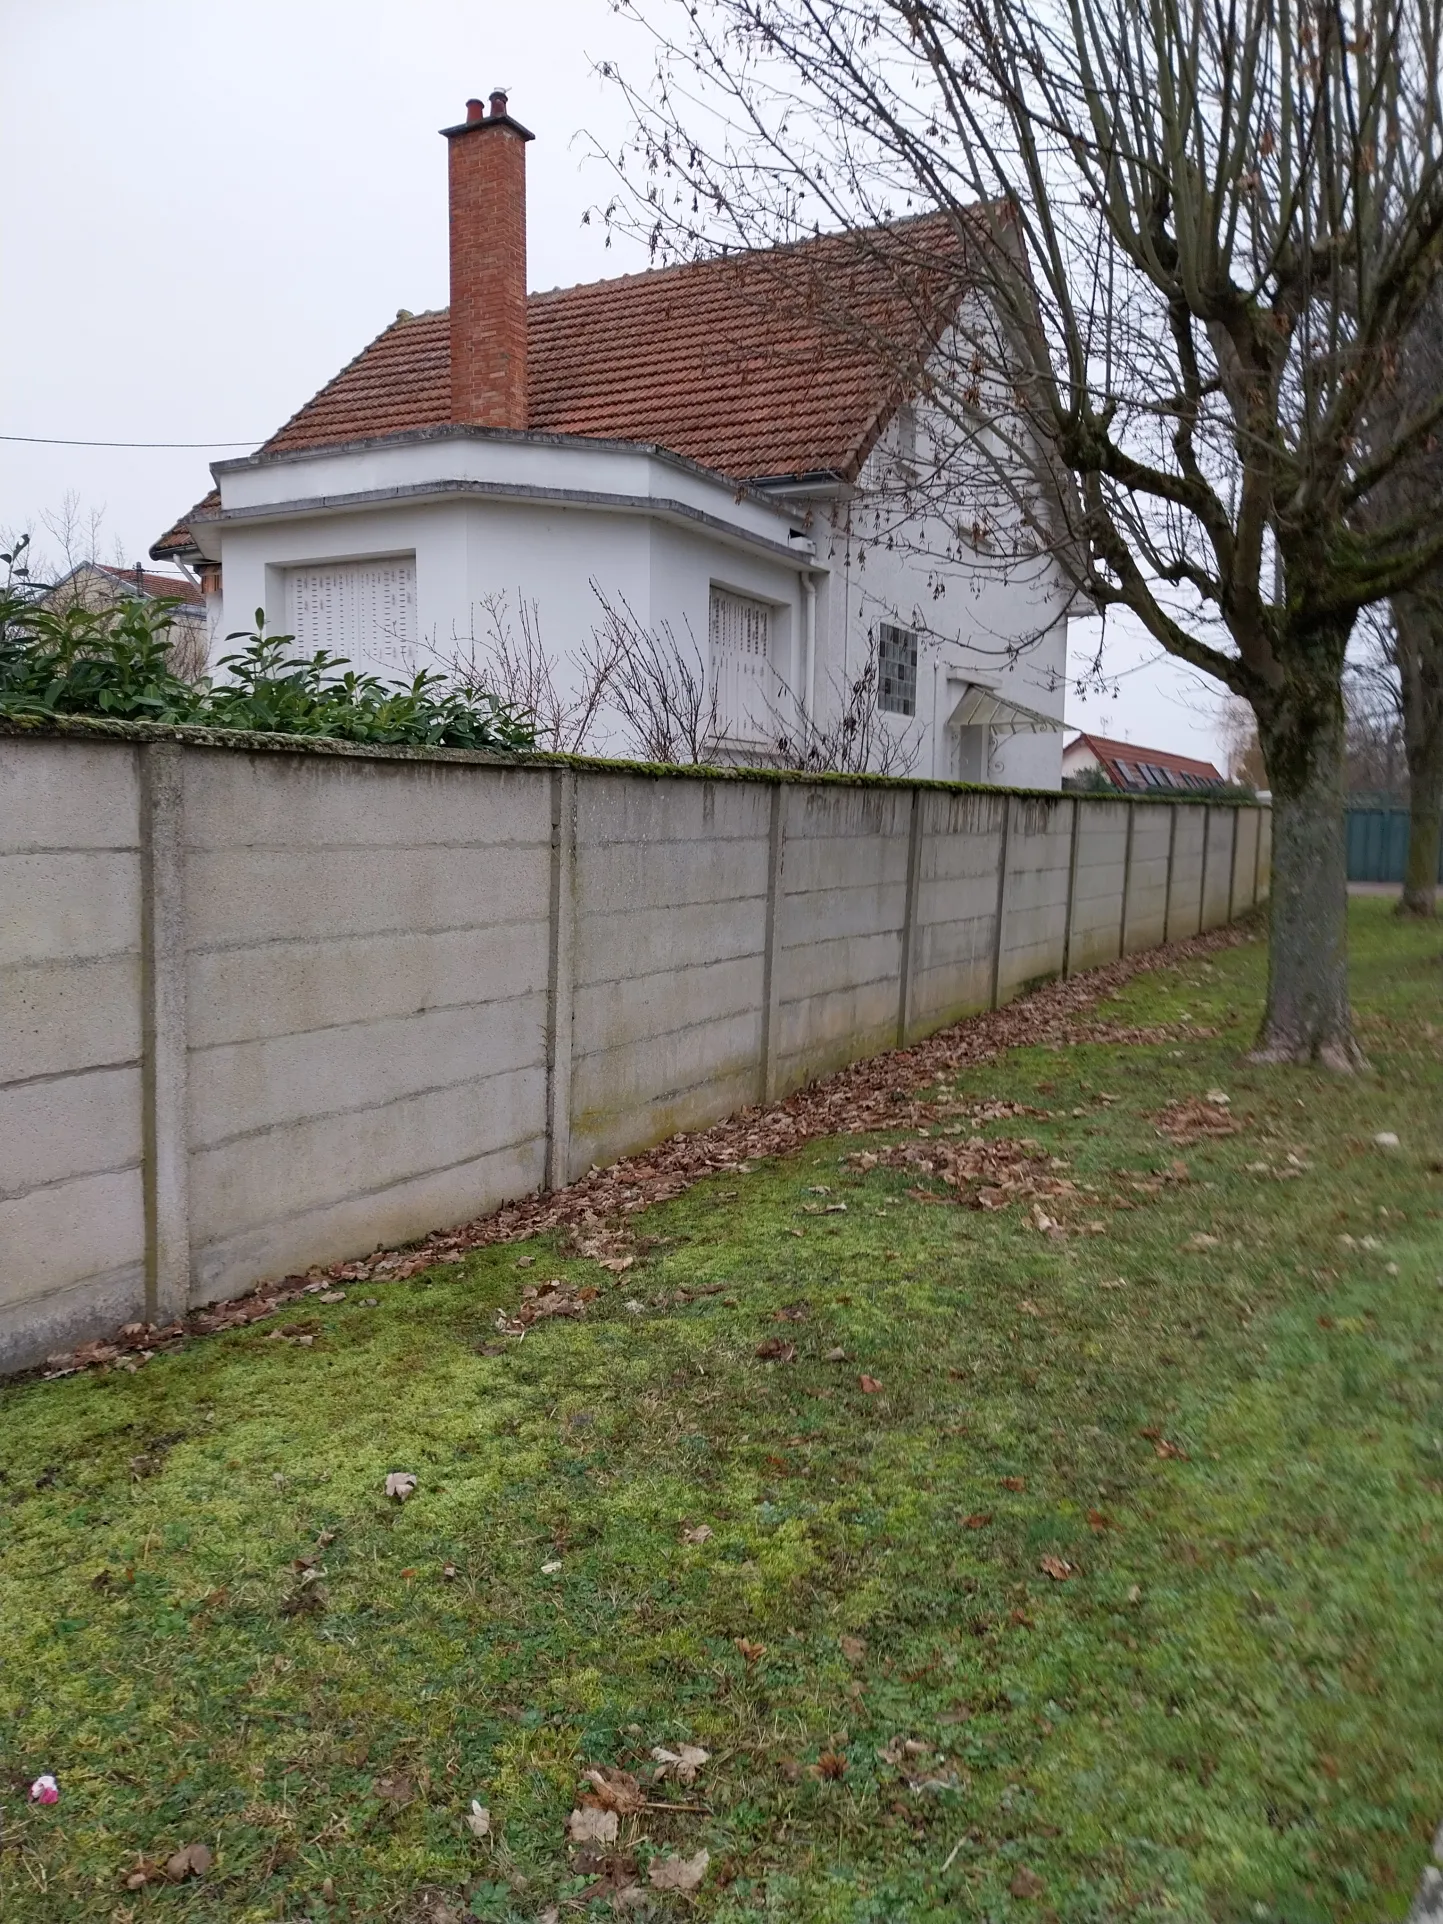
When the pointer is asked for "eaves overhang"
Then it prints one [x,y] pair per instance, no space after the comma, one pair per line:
[795,550]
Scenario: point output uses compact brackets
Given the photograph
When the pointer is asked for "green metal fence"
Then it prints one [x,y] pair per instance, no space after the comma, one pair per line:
[1378,845]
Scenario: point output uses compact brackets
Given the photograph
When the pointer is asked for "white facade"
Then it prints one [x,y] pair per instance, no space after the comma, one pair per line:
[387,552]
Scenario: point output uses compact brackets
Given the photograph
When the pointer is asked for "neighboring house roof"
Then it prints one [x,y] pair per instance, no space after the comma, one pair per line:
[762,365]
[1126,764]
[135,581]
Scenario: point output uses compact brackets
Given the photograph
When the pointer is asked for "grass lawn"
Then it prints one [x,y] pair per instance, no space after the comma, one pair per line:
[1119,1595]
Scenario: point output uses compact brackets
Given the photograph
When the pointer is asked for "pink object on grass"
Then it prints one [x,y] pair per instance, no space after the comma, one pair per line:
[45,1790]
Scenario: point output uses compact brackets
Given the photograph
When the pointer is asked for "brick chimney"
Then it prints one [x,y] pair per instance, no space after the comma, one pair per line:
[488,266]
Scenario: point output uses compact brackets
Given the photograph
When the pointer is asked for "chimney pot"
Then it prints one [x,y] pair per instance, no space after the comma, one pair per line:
[498,104]
[474,112]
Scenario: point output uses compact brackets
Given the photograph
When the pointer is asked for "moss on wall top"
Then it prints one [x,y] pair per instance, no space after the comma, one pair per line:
[253,741]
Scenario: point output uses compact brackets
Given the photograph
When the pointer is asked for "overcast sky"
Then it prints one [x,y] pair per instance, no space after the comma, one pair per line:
[210,206]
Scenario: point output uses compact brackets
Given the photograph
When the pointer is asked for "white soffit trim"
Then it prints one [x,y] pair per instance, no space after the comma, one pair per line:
[983,707]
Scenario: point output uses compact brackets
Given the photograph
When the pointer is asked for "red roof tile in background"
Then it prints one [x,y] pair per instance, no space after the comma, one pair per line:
[173,587]
[1110,753]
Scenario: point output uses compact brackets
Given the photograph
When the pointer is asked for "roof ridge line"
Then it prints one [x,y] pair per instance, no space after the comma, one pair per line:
[741,254]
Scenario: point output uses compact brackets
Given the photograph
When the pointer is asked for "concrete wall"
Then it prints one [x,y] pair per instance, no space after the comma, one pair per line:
[269,1009]
[954,946]
[72,1210]
[1217,882]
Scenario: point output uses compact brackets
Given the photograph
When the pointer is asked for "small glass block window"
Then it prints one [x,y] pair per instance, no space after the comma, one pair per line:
[896,670]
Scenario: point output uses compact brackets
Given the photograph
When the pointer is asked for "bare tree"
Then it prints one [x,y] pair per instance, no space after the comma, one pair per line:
[563,702]
[1373,711]
[1185,242]
[1418,658]
[660,690]
[1407,658]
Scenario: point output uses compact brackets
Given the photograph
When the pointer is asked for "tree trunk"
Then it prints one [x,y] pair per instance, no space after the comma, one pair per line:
[1425,833]
[1418,620]
[1308,1018]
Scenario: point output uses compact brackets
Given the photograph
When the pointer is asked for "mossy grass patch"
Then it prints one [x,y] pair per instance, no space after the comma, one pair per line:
[1088,1570]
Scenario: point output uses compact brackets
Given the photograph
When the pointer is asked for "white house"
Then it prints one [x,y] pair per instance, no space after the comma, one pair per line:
[703,441]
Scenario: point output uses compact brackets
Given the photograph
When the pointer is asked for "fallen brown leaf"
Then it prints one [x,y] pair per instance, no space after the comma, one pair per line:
[677,1873]
[854,1649]
[191,1860]
[776,1350]
[868,1385]
[478,1819]
[616,1790]
[1014,1482]
[978,1520]
[831,1765]
[1057,1568]
[683,1763]
[398,1789]
[590,1824]
[751,1651]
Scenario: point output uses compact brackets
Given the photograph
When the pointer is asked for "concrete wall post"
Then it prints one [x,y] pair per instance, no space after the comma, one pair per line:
[1257,855]
[1009,803]
[909,919]
[1171,851]
[1071,886]
[1233,869]
[771,974]
[165,1131]
[1202,887]
[560,978]
[1126,880]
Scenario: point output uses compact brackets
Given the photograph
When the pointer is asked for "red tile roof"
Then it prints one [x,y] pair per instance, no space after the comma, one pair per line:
[1112,754]
[172,587]
[178,539]
[777,362]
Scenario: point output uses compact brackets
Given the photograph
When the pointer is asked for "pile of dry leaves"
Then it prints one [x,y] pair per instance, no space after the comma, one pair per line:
[612,1798]
[884,1092]
[1197,1119]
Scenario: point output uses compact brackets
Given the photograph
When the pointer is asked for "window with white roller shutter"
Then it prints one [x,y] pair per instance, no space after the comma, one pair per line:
[364,611]
[740,636]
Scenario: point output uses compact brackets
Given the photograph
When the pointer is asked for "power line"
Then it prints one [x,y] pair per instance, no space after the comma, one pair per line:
[54,441]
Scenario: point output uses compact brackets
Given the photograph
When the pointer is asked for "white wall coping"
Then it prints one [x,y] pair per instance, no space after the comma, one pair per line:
[566,470]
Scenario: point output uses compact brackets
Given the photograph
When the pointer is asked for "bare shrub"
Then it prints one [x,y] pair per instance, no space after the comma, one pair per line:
[660,690]
[513,662]
[856,741]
